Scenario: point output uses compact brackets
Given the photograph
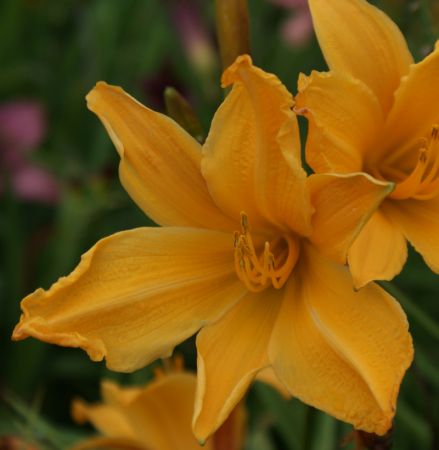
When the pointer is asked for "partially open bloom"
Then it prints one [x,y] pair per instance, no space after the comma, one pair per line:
[242,254]
[378,112]
[153,417]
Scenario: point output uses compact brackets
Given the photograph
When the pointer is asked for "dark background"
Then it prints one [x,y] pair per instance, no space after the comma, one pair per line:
[52,52]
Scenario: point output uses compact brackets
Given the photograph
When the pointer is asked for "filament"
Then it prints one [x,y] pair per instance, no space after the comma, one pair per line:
[258,272]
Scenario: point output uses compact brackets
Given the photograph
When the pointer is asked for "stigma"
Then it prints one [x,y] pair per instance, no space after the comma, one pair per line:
[271,267]
[423,182]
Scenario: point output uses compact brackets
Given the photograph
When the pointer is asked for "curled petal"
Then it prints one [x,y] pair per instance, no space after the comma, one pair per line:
[378,253]
[344,119]
[342,351]
[135,295]
[230,354]
[160,162]
[359,39]
[251,159]
[343,204]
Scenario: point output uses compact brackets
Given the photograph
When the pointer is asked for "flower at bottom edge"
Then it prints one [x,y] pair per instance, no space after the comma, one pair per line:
[156,416]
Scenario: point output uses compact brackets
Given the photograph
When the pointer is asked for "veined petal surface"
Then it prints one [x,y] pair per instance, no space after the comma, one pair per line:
[251,159]
[230,354]
[415,110]
[344,119]
[358,39]
[379,252]
[343,204]
[342,351]
[136,294]
[160,162]
[419,221]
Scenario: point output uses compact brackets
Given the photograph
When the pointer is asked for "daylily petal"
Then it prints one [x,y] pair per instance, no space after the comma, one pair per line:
[342,351]
[230,353]
[113,394]
[251,159]
[419,221]
[161,414]
[160,162]
[359,39]
[106,443]
[136,294]
[416,107]
[344,118]
[343,205]
[378,253]
[105,418]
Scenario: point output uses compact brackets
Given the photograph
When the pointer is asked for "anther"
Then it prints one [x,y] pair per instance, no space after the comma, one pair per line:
[423,182]
[236,236]
[244,223]
[257,272]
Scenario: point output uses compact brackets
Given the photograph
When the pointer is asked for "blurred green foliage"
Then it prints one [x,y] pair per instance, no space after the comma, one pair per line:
[54,51]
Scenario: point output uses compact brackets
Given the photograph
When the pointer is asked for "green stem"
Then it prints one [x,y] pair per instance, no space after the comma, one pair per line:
[412,309]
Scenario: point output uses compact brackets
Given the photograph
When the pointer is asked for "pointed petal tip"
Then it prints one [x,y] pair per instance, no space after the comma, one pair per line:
[101,90]
[17,333]
[38,328]
[230,75]
[78,411]
[201,441]
[93,94]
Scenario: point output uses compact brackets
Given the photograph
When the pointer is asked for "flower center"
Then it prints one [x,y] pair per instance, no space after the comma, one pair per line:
[272,266]
[423,182]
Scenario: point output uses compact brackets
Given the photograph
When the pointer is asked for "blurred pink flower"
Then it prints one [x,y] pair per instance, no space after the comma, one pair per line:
[35,184]
[297,29]
[22,128]
[194,35]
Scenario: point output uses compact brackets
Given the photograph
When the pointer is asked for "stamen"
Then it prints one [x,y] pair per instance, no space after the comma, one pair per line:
[423,182]
[257,272]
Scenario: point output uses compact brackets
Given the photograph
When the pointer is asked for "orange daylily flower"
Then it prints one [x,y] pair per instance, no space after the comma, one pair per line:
[240,257]
[377,112]
[154,417]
